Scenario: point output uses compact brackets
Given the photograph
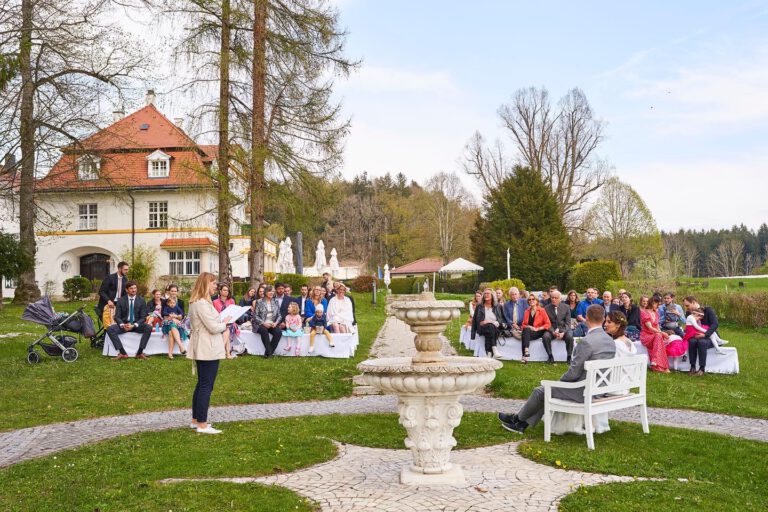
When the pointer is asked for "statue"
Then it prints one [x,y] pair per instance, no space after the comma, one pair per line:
[320,262]
[426,286]
[288,266]
[387,276]
[334,263]
[280,257]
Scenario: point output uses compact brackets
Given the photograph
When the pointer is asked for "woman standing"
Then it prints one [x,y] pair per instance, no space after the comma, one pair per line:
[206,348]
[653,338]
[488,319]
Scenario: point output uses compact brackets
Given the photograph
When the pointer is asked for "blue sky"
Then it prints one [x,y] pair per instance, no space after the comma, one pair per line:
[683,89]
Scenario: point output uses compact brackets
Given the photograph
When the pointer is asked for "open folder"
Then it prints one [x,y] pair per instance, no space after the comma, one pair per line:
[234,311]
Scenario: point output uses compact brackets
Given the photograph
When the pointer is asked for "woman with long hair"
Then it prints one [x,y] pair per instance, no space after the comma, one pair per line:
[572,301]
[316,296]
[488,319]
[472,305]
[536,324]
[206,348]
[653,338]
[615,325]
[632,316]
[222,302]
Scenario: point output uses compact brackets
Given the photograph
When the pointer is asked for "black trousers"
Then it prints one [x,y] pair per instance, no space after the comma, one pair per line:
[269,346]
[697,350]
[567,338]
[530,334]
[201,398]
[491,334]
[114,331]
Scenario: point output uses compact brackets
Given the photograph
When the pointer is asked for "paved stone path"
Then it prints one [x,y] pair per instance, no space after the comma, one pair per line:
[395,339]
[497,478]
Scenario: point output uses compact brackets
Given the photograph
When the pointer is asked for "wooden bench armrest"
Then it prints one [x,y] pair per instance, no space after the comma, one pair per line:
[562,384]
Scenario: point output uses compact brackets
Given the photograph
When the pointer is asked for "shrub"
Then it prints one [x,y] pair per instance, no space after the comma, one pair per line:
[402,285]
[143,263]
[76,288]
[365,284]
[464,284]
[593,274]
[239,288]
[504,284]
[748,310]
[295,280]
[269,277]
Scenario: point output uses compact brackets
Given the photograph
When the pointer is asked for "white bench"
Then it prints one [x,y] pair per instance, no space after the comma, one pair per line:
[726,361]
[615,377]
[511,349]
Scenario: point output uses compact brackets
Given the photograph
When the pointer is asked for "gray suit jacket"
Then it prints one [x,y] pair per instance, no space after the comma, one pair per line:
[596,345]
[559,317]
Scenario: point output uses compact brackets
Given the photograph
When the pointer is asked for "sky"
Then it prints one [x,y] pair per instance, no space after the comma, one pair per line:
[682,87]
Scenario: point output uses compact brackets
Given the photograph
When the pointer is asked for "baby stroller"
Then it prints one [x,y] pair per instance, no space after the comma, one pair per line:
[41,312]
[97,340]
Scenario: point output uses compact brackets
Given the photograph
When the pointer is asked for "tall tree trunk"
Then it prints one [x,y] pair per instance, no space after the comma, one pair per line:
[259,146]
[223,158]
[27,290]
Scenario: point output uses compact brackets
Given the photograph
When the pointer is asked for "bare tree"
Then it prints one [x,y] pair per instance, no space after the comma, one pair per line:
[726,260]
[681,253]
[69,58]
[446,208]
[486,164]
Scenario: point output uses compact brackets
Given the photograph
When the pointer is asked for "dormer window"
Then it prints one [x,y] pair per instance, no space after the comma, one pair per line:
[88,167]
[158,164]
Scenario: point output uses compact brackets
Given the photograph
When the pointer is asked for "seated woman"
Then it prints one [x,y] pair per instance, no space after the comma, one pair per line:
[266,320]
[221,303]
[340,312]
[572,301]
[632,314]
[249,299]
[172,317]
[488,320]
[471,306]
[536,324]
[563,423]
[316,297]
[653,338]
[155,309]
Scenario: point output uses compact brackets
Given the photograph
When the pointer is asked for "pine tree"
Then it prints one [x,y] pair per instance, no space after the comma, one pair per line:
[523,215]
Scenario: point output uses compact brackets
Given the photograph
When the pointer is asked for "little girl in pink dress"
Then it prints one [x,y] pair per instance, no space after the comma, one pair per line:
[293,327]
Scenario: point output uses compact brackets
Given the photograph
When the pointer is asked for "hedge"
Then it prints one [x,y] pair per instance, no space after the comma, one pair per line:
[593,274]
[463,284]
[749,310]
[295,280]
[78,287]
[504,284]
[365,284]
[402,285]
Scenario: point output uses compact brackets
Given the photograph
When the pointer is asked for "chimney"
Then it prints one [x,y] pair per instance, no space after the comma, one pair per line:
[118,115]
[179,121]
[9,165]
[151,97]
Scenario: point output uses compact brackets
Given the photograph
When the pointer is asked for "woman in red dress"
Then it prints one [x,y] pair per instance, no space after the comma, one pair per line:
[653,338]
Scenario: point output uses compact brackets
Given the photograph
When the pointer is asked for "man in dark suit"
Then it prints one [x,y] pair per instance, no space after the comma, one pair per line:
[560,318]
[285,300]
[130,316]
[112,288]
[596,345]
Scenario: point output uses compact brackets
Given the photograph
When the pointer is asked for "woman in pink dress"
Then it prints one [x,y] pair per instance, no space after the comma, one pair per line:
[653,338]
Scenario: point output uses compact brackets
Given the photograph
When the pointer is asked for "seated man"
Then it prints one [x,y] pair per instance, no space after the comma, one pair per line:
[514,311]
[130,316]
[699,343]
[581,311]
[596,345]
[560,318]
[671,315]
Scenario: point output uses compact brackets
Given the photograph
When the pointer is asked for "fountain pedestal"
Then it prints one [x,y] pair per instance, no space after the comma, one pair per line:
[428,387]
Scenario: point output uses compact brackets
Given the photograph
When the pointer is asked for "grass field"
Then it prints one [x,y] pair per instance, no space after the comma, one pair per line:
[94,385]
[753,284]
[744,394]
[122,474]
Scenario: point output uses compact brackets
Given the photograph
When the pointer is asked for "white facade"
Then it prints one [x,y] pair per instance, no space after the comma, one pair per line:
[9,223]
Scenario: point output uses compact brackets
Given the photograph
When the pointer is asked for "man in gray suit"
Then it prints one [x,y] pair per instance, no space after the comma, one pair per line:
[560,318]
[596,345]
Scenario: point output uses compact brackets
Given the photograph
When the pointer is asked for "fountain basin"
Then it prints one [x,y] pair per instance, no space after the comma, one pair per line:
[427,318]
[429,408]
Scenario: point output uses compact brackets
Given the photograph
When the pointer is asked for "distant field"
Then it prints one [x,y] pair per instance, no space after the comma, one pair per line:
[751,284]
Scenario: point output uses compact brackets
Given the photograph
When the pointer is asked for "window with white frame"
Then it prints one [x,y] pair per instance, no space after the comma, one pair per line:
[88,216]
[158,214]
[88,168]
[10,282]
[158,164]
[184,263]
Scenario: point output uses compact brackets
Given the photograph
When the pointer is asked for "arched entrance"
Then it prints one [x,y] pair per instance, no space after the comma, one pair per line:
[94,266]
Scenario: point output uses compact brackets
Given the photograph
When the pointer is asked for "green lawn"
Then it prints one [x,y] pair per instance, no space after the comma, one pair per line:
[122,474]
[744,394]
[757,284]
[94,385]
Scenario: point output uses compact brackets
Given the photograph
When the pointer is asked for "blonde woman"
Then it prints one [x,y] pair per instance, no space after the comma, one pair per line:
[206,348]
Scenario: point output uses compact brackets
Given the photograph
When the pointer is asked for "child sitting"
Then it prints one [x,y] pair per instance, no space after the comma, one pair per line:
[293,327]
[693,327]
[318,324]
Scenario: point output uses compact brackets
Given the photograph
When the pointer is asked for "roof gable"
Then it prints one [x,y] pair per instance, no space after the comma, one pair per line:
[422,265]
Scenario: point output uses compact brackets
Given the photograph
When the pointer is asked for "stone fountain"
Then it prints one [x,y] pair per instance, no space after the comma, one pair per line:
[428,387]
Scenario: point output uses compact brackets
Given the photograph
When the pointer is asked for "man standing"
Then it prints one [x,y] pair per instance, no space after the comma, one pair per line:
[111,289]
[560,318]
[514,310]
[130,316]
[596,345]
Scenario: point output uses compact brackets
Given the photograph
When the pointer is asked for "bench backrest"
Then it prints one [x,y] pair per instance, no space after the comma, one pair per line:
[617,374]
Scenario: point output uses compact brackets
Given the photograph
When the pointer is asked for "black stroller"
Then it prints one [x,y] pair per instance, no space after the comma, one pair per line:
[41,312]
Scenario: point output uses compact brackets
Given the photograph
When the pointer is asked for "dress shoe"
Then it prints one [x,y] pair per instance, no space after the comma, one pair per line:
[699,373]
[120,356]
[551,360]
[141,356]
[517,427]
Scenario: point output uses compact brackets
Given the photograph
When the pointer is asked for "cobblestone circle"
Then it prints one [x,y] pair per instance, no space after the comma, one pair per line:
[497,478]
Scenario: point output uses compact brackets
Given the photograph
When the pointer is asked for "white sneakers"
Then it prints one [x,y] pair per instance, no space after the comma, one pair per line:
[208,430]
[496,353]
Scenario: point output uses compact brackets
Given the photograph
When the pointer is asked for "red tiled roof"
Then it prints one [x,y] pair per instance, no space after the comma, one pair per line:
[124,147]
[187,242]
[423,265]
